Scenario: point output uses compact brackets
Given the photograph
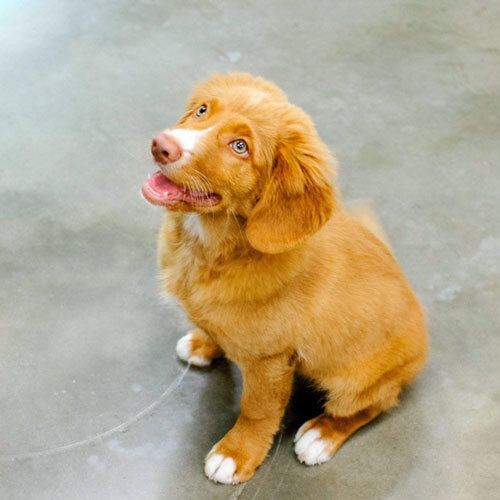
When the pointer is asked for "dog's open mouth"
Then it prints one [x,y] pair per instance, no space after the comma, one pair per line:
[160,190]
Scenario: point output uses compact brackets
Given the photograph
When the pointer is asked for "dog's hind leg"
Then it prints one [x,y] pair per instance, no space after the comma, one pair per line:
[319,438]
[347,410]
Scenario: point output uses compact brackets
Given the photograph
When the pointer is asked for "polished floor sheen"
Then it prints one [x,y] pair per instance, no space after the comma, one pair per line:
[94,404]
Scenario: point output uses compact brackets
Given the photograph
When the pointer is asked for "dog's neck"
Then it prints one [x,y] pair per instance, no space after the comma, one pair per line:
[219,243]
[217,235]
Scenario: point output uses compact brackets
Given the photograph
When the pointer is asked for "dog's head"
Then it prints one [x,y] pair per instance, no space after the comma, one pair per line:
[243,149]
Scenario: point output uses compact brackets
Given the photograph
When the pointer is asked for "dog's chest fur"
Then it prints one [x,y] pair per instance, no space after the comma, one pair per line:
[228,293]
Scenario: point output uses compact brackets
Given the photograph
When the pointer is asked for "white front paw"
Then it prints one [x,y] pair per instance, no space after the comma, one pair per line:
[184,350]
[220,469]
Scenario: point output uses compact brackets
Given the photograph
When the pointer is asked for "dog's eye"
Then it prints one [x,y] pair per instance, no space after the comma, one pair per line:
[201,110]
[239,146]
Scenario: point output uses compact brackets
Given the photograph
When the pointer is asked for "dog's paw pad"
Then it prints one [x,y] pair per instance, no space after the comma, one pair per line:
[221,469]
[311,449]
[184,349]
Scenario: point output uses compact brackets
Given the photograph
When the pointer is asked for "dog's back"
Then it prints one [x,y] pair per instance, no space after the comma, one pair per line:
[364,213]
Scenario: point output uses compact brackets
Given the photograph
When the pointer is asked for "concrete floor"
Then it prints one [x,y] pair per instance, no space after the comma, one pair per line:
[94,404]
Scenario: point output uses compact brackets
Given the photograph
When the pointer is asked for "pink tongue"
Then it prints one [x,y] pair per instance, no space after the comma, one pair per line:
[159,190]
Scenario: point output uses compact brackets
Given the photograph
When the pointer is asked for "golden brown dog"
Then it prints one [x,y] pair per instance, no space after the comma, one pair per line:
[275,274]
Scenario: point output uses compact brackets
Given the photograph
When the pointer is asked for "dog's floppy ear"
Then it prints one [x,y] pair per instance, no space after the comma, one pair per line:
[298,198]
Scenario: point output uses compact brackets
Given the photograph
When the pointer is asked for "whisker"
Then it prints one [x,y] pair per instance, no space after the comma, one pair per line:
[204,187]
[204,179]
[202,175]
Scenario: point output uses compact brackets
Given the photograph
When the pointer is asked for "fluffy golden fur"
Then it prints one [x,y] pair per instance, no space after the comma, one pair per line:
[280,278]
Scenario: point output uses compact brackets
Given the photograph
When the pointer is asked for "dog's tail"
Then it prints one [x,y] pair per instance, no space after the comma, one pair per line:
[363,212]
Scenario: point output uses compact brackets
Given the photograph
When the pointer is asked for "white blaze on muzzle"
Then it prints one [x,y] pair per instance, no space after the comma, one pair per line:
[186,138]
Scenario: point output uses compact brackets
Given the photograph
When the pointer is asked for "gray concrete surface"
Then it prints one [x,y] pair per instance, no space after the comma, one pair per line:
[94,404]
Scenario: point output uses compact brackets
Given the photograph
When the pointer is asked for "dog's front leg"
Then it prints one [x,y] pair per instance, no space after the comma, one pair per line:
[198,348]
[266,389]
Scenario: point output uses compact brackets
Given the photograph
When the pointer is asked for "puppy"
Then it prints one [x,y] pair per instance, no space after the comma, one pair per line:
[276,275]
